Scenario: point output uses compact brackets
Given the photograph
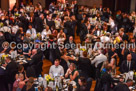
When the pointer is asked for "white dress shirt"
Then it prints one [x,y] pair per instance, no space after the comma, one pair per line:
[105,39]
[56,71]
[99,59]
[32,32]
[15,29]
[45,33]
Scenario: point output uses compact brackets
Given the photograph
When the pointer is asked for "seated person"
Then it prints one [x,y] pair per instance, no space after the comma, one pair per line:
[6,48]
[82,84]
[124,86]
[19,79]
[72,73]
[45,33]
[29,86]
[22,71]
[56,69]
[128,65]
[61,36]
[36,57]
[26,50]
[31,31]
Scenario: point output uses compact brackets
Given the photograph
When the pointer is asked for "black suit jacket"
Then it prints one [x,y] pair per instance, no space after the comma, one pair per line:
[125,37]
[124,67]
[76,9]
[38,24]
[121,87]
[11,71]
[36,58]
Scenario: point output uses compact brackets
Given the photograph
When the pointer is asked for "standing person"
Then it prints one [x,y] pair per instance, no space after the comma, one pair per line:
[39,23]
[75,8]
[98,61]
[11,70]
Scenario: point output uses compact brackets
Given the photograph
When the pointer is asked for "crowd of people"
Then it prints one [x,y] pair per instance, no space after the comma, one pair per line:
[50,34]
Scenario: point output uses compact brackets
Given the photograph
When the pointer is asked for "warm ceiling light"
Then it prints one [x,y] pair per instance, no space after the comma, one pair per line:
[12,3]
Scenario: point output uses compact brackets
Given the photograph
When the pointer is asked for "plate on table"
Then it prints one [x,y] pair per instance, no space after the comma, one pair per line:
[67,80]
[19,60]
[28,59]
[24,61]
[118,76]
[21,63]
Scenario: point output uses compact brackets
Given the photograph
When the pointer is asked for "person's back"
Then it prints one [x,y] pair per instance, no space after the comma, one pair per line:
[11,70]
[121,87]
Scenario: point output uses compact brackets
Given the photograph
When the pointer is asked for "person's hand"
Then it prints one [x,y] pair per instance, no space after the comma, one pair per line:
[69,71]
[115,54]
[4,65]
[5,48]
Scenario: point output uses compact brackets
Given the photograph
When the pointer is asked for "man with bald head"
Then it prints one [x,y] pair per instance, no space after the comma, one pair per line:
[34,58]
[128,65]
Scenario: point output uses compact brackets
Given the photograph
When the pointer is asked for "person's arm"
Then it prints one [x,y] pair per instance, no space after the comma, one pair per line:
[64,36]
[74,76]
[93,61]
[50,71]
[71,58]
[35,33]
[62,71]
[67,73]
[3,51]
[115,54]
[29,53]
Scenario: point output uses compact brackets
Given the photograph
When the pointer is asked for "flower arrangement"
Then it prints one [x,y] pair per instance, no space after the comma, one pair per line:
[1,24]
[16,14]
[4,56]
[82,49]
[2,60]
[49,78]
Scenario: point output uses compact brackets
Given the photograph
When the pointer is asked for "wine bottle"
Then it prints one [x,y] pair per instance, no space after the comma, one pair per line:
[57,88]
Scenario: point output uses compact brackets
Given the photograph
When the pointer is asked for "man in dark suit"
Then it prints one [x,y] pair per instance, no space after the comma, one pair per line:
[100,8]
[3,80]
[128,65]
[11,70]
[75,8]
[83,31]
[36,57]
[39,23]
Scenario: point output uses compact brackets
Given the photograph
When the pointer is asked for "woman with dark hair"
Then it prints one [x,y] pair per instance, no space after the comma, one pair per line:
[19,36]
[30,85]
[82,84]
[21,71]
